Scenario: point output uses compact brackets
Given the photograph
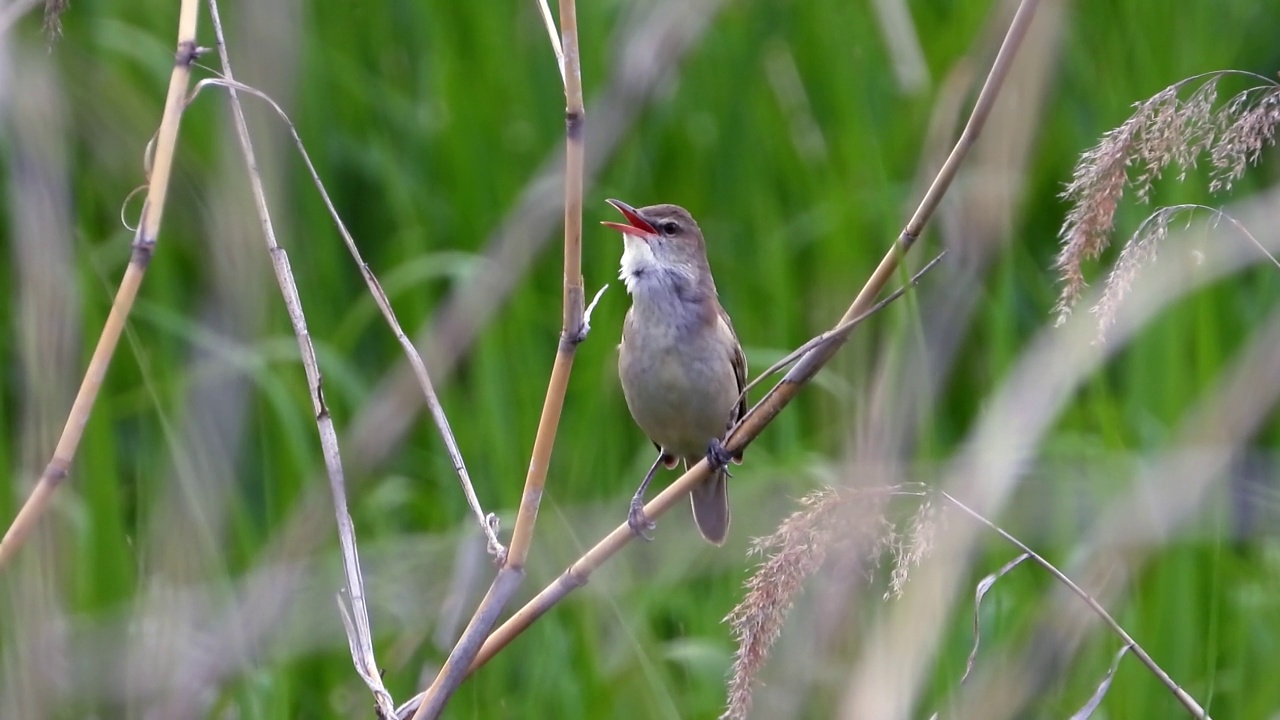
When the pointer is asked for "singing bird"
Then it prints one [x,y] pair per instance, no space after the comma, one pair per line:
[680,362]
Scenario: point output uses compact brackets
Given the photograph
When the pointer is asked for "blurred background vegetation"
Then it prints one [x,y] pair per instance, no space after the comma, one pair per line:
[189,565]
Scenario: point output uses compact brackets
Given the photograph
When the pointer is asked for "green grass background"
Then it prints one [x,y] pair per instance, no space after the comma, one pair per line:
[425,120]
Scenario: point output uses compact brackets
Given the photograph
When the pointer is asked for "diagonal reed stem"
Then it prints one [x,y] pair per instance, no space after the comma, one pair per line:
[144,244]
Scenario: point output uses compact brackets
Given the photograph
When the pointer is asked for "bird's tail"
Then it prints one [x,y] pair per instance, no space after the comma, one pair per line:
[711,507]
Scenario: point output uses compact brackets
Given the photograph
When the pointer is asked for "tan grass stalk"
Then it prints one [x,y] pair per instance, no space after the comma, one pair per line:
[763,412]
[573,331]
[144,244]
[356,618]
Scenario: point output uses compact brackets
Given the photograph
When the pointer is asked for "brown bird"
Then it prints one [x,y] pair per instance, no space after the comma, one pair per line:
[681,365]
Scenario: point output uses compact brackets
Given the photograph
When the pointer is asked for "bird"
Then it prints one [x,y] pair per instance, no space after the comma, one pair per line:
[681,365]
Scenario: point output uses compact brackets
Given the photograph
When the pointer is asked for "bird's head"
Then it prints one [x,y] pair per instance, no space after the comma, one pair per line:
[660,243]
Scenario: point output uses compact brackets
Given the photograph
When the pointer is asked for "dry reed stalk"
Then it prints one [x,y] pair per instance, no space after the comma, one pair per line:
[573,331]
[356,618]
[144,244]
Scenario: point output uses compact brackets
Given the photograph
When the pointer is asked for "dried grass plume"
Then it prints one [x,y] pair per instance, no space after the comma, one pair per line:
[830,520]
[1164,131]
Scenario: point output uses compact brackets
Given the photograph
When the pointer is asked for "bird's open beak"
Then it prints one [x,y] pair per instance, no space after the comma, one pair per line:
[638,226]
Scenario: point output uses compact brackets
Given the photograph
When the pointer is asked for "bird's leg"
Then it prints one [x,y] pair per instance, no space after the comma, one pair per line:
[717,456]
[640,525]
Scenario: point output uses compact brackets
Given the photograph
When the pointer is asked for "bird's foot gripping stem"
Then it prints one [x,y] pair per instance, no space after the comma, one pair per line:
[717,456]
[640,523]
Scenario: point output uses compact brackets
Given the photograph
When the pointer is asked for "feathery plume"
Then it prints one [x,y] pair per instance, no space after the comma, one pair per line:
[831,519]
[1164,130]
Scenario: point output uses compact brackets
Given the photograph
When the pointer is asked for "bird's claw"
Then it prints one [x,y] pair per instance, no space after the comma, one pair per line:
[717,456]
[639,523]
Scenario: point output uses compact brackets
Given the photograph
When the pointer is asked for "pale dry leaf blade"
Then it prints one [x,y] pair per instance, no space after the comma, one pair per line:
[984,586]
[1086,712]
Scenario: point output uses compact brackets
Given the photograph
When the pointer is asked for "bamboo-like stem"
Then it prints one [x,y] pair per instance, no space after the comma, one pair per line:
[356,618]
[572,327]
[144,244]
[763,412]
[572,332]
[577,574]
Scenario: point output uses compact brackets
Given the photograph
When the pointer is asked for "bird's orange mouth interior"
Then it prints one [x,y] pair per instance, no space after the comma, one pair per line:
[638,225]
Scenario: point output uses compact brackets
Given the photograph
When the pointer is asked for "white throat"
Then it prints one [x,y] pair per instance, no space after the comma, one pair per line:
[639,266]
[660,289]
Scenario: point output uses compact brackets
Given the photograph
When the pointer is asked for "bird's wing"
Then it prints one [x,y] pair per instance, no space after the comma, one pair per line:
[738,360]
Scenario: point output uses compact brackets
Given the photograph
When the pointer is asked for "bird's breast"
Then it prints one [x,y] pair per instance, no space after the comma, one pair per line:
[678,380]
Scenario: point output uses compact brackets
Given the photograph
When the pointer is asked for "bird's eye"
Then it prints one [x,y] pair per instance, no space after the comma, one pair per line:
[669,227]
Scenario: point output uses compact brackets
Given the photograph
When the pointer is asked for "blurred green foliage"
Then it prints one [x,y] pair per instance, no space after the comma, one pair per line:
[425,120]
